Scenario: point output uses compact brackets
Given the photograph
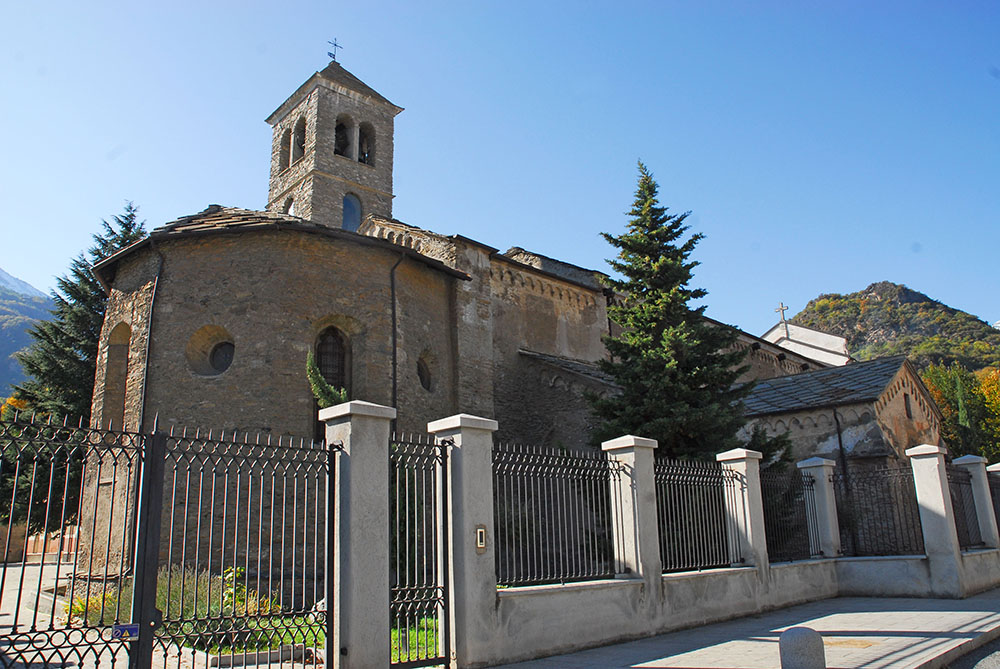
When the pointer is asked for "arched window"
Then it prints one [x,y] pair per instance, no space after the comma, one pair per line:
[333,361]
[116,377]
[283,148]
[331,357]
[352,212]
[289,207]
[342,136]
[366,144]
[299,140]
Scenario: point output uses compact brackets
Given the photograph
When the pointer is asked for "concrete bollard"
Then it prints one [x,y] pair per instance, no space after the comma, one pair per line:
[801,648]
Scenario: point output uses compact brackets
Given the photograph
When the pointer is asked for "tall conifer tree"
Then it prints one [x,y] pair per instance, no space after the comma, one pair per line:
[676,370]
[61,361]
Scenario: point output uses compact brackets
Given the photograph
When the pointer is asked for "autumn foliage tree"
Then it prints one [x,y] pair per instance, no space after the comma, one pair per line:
[970,406]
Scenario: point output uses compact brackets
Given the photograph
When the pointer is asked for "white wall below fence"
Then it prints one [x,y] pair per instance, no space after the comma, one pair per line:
[884,576]
[980,570]
[553,619]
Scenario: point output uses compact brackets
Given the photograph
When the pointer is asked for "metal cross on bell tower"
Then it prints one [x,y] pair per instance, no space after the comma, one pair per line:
[334,46]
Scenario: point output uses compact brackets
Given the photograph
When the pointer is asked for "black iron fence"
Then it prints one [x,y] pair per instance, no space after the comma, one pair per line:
[553,514]
[58,479]
[963,503]
[699,511]
[188,549]
[790,522]
[242,556]
[417,508]
[878,512]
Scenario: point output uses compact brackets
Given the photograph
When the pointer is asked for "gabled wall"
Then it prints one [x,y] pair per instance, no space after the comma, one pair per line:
[921,426]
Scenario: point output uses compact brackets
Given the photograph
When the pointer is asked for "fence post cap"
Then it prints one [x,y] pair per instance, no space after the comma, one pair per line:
[628,441]
[357,408]
[739,454]
[993,468]
[462,420]
[970,460]
[815,462]
[925,450]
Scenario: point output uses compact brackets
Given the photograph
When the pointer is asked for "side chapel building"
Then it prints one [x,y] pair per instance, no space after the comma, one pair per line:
[210,318]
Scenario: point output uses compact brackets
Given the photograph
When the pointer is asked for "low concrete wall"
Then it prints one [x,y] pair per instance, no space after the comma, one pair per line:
[799,582]
[980,570]
[698,598]
[884,576]
[552,619]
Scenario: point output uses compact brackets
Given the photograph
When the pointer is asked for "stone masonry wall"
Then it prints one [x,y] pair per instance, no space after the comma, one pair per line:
[920,427]
[813,432]
[283,182]
[130,302]
[546,315]
[271,294]
[332,176]
[767,362]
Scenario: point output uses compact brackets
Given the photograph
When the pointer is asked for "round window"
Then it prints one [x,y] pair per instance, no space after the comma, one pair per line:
[210,350]
[222,356]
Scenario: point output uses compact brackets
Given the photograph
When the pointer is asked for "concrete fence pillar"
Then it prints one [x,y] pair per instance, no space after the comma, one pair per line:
[937,519]
[473,581]
[825,532]
[360,606]
[633,507]
[745,505]
[976,466]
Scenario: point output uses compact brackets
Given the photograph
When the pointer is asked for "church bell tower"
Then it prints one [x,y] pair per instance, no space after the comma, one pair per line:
[331,152]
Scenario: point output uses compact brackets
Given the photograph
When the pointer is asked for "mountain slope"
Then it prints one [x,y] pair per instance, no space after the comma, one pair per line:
[12,283]
[888,319]
[18,312]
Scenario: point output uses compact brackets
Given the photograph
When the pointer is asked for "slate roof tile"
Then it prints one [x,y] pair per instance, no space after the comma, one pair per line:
[857,382]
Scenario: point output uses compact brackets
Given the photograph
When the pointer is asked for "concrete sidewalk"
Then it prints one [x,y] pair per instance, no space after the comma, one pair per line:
[857,632]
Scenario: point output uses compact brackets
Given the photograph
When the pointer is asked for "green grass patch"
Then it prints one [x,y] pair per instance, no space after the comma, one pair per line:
[415,642]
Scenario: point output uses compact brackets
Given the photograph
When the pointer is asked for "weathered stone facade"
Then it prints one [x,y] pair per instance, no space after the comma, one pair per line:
[271,292]
[878,420]
[313,178]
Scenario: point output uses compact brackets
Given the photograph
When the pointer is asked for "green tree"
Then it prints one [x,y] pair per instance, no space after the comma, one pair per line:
[61,361]
[967,425]
[677,371]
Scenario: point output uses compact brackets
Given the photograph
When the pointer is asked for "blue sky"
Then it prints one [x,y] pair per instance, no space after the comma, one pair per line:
[819,146]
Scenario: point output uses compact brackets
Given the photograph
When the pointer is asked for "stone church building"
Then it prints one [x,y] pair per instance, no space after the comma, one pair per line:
[211,317]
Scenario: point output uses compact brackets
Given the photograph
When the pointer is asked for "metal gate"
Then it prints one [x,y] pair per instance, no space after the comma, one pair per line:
[418,504]
[176,550]
[242,555]
[67,524]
